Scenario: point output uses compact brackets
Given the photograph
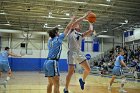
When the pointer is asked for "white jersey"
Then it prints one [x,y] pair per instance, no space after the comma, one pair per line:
[74,41]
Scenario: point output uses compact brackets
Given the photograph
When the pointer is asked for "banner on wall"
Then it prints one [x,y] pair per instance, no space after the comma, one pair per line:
[83,45]
[96,45]
[128,33]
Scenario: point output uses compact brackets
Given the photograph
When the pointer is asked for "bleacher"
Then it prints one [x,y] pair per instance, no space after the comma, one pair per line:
[96,70]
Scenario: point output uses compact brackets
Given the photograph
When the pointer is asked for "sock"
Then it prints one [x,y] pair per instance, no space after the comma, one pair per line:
[83,80]
[121,88]
[66,89]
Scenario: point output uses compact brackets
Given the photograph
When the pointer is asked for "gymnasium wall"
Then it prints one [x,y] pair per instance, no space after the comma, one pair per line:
[39,51]
[135,36]
[35,61]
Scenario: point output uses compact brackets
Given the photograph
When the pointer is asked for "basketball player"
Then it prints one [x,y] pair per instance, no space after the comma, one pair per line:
[4,64]
[51,64]
[117,71]
[74,52]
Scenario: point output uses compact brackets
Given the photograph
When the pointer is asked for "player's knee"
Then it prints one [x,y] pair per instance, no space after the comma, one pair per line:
[123,81]
[50,84]
[88,70]
[56,85]
[71,71]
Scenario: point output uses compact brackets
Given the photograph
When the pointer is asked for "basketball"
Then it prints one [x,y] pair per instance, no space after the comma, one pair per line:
[91,17]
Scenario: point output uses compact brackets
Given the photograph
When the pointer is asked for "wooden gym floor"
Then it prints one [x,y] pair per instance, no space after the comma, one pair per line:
[35,82]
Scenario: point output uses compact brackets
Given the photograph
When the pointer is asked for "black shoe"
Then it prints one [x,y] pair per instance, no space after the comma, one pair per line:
[81,83]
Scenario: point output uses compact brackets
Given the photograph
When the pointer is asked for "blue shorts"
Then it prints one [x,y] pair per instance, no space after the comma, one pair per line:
[51,68]
[117,71]
[4,66]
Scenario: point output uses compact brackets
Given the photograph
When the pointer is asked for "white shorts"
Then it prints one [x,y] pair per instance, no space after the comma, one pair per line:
[75,57]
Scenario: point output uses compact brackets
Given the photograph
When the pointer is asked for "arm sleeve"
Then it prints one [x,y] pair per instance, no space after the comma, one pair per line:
[121,58]
[61,37]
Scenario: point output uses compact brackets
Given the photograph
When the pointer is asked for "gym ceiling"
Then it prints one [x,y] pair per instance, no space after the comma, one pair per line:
[41,15]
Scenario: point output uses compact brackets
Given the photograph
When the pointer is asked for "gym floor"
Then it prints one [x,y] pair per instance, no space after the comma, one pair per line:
[35,82]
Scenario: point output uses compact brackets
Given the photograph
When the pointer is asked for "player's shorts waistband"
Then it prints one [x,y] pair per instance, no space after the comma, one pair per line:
[52,59]
[117,66]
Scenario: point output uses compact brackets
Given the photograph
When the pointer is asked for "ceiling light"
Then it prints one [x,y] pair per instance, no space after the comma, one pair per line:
[79,2]
[126,21]
[67,14]
[49,16]
[53,27]
[104,31]
[64,18]
[104,5]
[6,24]
[58,25]
[123,23]
[58,0]
[50,13]
[2,13]
[108,0]
[45,25]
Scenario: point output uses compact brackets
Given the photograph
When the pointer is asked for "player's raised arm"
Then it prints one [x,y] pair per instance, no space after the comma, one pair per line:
[80,19]
[69,26]
[88,32]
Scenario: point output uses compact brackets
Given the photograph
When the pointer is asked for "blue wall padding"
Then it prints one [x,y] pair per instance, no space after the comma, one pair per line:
[126,34]
[96,48]
[83,45]
[96,45]
[33,64]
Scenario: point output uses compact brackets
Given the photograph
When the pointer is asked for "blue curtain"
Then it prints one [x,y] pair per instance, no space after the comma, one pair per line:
[96,45]
[83,45]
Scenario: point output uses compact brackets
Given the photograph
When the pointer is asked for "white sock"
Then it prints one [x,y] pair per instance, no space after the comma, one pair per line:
[66,89]
[8,78]
[83,80]
[121,88]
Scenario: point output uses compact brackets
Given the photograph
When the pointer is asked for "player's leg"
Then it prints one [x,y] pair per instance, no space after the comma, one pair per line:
[111,81]
[4,67]
[56,84]
[0,74]
[115,72]
[8,70]
[9,74]
[70,70]
[49,86]
[123,81]
[87,69]
[86,72]
[46,67]
[68,77]
[51,71]
[1,69]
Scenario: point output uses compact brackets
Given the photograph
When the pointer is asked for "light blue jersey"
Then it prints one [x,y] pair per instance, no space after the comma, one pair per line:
[55,46]
[118,61]
[51,64]
[117,66]
[4,56]
[4,64]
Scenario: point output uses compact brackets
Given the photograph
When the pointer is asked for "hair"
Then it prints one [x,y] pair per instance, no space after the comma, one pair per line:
[6,48]
[53,32]
[120,50]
